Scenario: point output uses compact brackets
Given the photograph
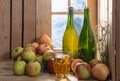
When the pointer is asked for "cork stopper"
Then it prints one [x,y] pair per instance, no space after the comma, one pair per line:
[71,8]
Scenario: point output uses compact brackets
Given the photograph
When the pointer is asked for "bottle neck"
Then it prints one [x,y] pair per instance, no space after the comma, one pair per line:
[86,14]
[70,21]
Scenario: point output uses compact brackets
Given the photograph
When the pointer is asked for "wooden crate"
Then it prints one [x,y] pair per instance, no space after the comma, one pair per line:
[19,25]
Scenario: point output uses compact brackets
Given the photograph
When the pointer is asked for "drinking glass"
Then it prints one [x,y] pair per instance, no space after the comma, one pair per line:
[62,63]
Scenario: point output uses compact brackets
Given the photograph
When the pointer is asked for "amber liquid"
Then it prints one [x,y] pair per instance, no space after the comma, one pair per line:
[62,66]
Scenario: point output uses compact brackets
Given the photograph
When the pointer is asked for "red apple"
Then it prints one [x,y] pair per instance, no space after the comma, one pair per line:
[94,62]
[44,39]
[50,66]
[47,55]
[82,70]
[35,44]
[43,47]
[33,68]
[74,63]
[30,48]
[100,72]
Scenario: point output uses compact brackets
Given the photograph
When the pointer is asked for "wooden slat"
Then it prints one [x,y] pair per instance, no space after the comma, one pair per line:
[117,34]
[93,13]
[16,23]
[4,29]
[6,67]
[43,18]
[113,50]
[29,21]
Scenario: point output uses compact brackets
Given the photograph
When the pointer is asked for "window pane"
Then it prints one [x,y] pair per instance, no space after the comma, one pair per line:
[78,5]
[59,25]
[59,5]
[78,20]
[58,28]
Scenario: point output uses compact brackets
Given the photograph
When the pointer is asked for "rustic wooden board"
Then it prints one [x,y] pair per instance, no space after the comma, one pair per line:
[113,47]
[117,34]
[29,21]
[43,20]
[16,23]
[4,29]
[93,12]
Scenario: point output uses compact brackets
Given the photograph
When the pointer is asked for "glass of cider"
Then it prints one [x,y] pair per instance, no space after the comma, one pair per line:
[62,63]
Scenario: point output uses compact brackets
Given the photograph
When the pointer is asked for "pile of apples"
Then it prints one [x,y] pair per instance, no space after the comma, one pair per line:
[37,56]
[95,69]
[30,59]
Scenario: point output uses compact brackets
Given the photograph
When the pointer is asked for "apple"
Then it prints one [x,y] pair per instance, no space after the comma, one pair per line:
[28,56]
[27,45]
[100,72]
[35,44]
[47,55]
[94,62]
[17,52]
[39,58]
[44,39]
[50,66]
[74,63]
[43,47]
[30,48]
[19,58]
[51,45]
[19,67]
[82,70]
[33,68]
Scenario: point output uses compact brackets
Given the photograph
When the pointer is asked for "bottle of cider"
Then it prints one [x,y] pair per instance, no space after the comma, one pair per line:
[70,37]
[87,43]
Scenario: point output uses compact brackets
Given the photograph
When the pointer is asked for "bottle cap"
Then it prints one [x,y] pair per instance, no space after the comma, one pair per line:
[71,8]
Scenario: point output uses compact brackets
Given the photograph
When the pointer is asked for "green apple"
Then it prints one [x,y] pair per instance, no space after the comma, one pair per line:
[33,68]
[19,58]
[16,52]
[19,67]
[26,45]
[28,56]
[39,58]
[82,70]
[48,54]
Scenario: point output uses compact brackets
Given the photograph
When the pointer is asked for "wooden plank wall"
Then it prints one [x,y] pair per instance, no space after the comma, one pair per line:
[17,24]
[93,12]
[29,21]
[43,11]
[116,17]
[4,28]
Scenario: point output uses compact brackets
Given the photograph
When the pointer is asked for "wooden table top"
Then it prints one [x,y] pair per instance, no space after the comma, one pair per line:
[6,74]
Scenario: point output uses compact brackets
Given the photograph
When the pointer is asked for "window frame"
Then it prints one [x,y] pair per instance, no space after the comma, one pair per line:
[43,15]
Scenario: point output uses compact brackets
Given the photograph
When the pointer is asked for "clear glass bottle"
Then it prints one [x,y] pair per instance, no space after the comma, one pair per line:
[70,38]
[87,43]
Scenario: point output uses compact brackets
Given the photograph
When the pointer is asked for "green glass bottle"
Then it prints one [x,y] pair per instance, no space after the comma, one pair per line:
[87,43]
[70,37]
